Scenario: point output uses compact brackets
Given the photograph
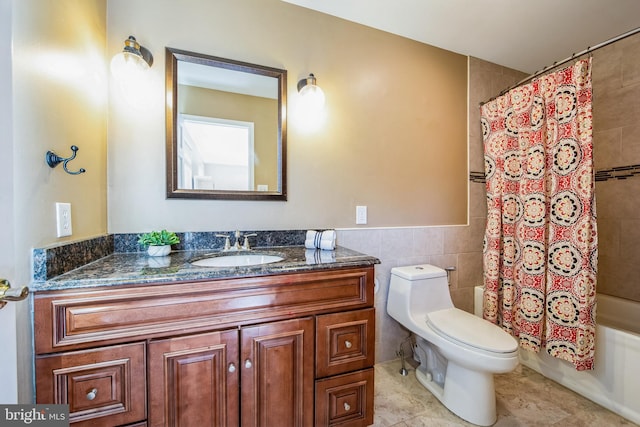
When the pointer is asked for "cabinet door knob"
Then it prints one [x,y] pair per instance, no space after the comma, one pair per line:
[347,344]
[247,363]
[346,406]
[92,394]
[232,367]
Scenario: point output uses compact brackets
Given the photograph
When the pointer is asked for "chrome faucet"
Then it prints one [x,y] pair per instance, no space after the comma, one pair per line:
[236,246]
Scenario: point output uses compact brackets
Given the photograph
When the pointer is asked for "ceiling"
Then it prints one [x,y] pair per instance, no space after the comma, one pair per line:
[526,35]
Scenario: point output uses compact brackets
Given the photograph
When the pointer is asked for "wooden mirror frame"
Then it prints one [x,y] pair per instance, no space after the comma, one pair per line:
[172,56]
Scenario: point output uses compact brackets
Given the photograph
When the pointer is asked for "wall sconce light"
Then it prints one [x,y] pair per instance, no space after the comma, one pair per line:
[133,59]
[311,95]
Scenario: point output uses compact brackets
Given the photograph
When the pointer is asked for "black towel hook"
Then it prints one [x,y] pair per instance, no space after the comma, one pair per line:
[54,160]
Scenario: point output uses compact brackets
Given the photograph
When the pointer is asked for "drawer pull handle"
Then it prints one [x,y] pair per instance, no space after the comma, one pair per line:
[346,406]
[232,367]
[247,364]
[92,394]
[348,345]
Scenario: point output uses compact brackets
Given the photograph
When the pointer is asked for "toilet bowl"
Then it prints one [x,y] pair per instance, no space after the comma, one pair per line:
[458,352]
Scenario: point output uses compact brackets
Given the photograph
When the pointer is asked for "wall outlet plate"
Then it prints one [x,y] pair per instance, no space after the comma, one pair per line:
[63,219]
[361,214]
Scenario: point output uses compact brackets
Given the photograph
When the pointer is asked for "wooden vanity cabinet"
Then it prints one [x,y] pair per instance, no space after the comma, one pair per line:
[286,350]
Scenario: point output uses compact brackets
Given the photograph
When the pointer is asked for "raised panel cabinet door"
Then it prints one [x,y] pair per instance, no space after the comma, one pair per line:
[277,374]
[103,387]
[193,380]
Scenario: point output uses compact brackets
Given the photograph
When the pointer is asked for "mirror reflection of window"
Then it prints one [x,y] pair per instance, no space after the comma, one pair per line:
[215,154]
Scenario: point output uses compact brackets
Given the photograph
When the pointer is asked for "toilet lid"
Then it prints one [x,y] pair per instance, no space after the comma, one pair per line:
[471,330]
[418,272]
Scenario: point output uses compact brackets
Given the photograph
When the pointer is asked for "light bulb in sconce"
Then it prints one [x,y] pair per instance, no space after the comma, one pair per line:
[133,60]
[311,96]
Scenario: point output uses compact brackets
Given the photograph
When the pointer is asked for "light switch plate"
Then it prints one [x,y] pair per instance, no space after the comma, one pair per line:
[361,214]
[63,219]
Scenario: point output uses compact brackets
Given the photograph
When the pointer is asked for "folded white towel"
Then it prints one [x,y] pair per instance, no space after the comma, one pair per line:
[325,240]
[318,256]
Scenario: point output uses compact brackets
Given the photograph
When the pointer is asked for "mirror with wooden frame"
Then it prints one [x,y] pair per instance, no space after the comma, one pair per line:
[226,128]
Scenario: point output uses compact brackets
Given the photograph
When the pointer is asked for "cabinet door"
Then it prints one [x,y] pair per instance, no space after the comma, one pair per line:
[277,374]
[193,380]
[103,387]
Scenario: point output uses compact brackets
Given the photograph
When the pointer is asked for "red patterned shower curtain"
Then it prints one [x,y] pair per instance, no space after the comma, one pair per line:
[540,249]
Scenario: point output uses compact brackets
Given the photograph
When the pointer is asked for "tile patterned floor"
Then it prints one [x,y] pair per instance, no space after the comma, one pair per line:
[524,399]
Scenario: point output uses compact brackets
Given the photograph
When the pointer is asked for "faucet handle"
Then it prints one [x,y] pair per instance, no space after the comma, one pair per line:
[245,244]
[227,244]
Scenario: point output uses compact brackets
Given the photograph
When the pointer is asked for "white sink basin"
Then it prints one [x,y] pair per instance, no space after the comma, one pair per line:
[237,260]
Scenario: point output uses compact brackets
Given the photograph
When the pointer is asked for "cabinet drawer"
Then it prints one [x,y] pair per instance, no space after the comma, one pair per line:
[345,342]
[74,319]
[345,400]
[103,387]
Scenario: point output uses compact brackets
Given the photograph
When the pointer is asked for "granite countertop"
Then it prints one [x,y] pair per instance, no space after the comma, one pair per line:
[138,268]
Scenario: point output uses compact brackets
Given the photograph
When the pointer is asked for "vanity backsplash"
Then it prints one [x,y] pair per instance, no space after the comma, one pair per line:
[58,259]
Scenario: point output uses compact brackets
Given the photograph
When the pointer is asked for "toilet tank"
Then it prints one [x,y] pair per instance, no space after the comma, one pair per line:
[416,290]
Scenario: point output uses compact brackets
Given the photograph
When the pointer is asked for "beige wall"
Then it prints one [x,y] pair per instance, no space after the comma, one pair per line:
[394,135]
[616,142]
[59,99]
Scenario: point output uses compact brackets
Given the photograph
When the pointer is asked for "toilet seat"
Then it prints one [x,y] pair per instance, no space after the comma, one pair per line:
[471,331]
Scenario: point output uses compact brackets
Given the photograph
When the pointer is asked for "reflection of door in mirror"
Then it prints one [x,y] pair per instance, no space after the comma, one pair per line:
[215,153]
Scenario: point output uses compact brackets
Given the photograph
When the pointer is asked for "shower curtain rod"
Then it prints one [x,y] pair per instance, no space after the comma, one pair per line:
[564,61]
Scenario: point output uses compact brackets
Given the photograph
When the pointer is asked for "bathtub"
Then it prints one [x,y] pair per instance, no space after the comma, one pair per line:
[613,383]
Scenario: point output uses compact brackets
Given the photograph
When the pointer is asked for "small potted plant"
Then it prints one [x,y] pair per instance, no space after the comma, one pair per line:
[158,242]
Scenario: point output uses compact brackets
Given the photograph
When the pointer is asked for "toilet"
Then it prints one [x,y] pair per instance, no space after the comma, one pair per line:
[458,352]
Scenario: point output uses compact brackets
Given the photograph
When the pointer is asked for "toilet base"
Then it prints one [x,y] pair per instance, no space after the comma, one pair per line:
[468,394]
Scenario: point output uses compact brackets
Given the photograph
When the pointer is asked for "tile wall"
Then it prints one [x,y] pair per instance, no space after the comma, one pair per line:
[616,142]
